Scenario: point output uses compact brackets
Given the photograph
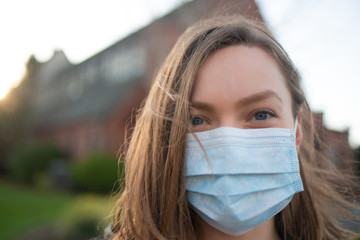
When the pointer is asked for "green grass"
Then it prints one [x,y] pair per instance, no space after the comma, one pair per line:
[22,209]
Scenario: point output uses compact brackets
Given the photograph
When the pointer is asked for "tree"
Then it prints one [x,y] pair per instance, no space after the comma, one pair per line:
[14,112]
[357,161]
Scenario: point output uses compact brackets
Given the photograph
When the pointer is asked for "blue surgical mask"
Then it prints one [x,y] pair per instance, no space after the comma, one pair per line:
[237,179]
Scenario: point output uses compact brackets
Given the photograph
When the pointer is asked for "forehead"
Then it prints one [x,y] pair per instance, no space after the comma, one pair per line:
[237,72]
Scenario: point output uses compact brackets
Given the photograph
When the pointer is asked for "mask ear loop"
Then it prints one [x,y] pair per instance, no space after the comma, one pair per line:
[295,129]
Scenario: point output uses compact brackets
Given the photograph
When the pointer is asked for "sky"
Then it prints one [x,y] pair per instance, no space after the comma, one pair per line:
[322,37]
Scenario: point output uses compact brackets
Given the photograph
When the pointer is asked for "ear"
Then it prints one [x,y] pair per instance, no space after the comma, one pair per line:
[299,133]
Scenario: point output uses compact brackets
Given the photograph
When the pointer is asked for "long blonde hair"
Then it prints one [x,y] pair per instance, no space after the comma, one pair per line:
[153,204]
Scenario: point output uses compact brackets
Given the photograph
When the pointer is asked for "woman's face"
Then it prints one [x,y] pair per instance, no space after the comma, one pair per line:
[240,87]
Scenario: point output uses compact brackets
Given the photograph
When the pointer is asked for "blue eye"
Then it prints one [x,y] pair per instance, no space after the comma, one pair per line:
[264,115]
[197,121]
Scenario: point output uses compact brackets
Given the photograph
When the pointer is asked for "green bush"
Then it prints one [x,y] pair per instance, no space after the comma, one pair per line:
[85,218]
[32,159]
[96,173]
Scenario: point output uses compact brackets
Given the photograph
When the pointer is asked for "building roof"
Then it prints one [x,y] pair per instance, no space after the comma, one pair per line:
[95,104]
[58,102]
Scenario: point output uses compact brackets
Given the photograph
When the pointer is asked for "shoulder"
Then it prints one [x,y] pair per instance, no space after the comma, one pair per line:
[108,234]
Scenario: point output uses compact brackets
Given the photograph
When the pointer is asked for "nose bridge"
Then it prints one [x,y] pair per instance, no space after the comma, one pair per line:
[229,119]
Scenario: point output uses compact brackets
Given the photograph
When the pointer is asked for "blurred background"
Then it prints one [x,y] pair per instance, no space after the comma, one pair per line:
[74,72]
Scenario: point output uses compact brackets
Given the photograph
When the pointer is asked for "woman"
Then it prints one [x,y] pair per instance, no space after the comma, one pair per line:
[223,147]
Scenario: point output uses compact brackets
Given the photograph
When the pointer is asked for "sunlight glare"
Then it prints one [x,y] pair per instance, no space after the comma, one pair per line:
[5,88]
[3,92]
[14,76]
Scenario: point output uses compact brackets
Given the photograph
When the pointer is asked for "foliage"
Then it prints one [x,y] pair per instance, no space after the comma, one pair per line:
[96,173]
[86,218]
[31,160]
[357,161]
[15,111]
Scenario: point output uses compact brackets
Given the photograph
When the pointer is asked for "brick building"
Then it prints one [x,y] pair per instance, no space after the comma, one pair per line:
[85,107]
[335,144]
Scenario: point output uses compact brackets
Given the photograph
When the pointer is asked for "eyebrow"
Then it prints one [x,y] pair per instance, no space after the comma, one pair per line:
[245,101]
[259,97]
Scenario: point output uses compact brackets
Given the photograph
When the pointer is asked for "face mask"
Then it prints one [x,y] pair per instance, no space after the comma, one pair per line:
[239,178]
